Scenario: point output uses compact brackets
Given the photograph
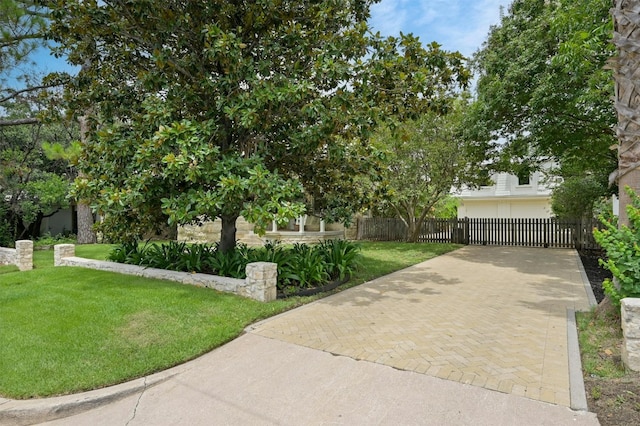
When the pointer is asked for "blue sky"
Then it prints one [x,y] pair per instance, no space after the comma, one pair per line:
[460,25]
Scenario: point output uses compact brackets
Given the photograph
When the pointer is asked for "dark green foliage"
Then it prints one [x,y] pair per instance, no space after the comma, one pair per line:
[544,90]
[312,271]
[129,252]
[622,245]
[230,263]
[48,240]
[576,197]
[6,239]
[341,255]
[274,252]
[219,109]
[300,266]
[177,256]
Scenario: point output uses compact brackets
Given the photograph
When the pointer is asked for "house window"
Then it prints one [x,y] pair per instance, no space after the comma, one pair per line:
[524,178]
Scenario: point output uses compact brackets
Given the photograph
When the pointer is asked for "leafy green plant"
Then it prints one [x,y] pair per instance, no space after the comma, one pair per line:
[48,240]
[340,256]
[6,238]
[310,266]
[274,252]
[623,253]
[194,258]
[127,252]
[230,263]
[299,267]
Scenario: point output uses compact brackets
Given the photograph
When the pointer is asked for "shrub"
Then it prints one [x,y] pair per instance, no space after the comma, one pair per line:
[174,256]
[341,257]
[228,264]
[129,252]
[301,266]
[47,240]
[6,237]
[311,270]
[623,253]
[274,252]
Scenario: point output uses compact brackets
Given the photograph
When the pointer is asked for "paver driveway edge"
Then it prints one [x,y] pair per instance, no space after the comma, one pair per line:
[576,381]
[578,392]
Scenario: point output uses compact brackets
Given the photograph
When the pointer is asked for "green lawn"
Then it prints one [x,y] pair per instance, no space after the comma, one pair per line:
[65,330]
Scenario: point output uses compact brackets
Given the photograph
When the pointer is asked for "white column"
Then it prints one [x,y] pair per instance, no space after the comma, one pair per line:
[321,225]
[274,226]
[301,221]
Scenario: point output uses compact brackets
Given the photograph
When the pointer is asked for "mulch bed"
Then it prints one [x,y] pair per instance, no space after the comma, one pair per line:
[615,401]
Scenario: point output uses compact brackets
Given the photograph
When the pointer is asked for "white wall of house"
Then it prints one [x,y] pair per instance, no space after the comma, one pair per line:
[507,198]
[505,208]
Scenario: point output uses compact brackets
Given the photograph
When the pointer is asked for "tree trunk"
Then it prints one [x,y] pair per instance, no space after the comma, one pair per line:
[626,74]
[415,228]
[228,233]
[86,235]
[84,215]
[626,67]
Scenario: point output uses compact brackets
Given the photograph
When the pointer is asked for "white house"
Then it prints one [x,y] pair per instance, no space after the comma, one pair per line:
[508,197]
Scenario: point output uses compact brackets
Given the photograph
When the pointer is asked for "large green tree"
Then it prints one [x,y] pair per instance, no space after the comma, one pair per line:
[424,159]
[23,33]
[32,185]
[192,100]
[543,91]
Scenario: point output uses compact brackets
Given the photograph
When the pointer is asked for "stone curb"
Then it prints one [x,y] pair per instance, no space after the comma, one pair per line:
[28,412]
[576,381]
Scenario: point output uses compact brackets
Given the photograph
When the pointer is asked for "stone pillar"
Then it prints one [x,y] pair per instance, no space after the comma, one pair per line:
[321,225]
[301,228]
[630,313]
[24,255]
[60,251]
[261,281]
[274,226]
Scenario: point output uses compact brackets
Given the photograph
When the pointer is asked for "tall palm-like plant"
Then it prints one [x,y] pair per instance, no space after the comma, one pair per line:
[626,68]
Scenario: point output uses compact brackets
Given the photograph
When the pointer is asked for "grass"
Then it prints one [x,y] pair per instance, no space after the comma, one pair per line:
[600,338]
[67,330]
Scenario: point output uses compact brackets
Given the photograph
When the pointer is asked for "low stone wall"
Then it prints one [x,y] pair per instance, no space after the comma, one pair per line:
[630,313]
[21,256]
[260,283]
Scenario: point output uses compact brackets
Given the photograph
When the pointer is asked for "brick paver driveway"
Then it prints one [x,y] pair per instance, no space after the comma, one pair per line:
[494,317]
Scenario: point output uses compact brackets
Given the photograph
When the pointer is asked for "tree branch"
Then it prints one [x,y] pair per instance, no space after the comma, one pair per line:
[17,93]
[19,122]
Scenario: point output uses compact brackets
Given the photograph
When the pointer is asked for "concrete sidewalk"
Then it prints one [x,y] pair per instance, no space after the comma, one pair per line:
[475,337]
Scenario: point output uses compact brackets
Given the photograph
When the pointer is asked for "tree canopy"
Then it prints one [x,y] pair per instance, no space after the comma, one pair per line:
[32,185]
[543,91]
[204,109]
[424,159]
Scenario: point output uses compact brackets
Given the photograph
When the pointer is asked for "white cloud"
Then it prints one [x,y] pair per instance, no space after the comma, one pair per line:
[389,16]
[456,24]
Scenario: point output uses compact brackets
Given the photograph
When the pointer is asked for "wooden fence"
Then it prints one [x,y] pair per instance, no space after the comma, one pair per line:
[559,233]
